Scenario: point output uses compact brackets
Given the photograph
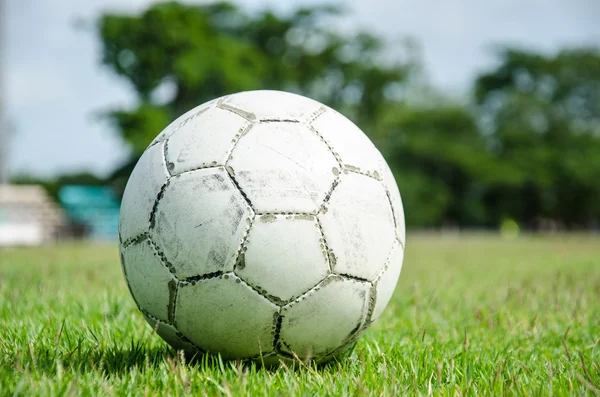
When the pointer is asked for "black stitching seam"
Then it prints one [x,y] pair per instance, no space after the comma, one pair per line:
[134,240]
[157,321]
[258,358]
[208,276]
[358,330]
[241,252]
[329,147]
[351,338]
[173,289]
[212,164]
[327,252]
[230,170]
[325,281]
[184,122]
[291,213]
[239,188]
[187,340]
[396,226]
[159,196]
[387,193]
[350,168]
[384,182]
[363,324]
[277,320]
[173,286]
[241,132]
[168,165]
[223,275]
[163,259]
[368,315]
[276,317]
[353,278]
[387,261]
[371,306]
[279,350]
[315,115]
[354,333]
[139,238]
[334,184]
[396,229]
[271,298]
[177,332]
[239,256]
[145,313]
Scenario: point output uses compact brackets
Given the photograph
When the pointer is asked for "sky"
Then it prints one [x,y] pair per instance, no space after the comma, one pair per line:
[56,89]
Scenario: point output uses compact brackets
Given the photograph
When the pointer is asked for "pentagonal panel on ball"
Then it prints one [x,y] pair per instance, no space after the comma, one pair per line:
[325,318]
[353,147]
[224,315]
[283,167]
[284,256]
[152,285]
[396,202]
[204,141]
[359,226]
[143,186]
[271,105]
[385,284]
[200,222]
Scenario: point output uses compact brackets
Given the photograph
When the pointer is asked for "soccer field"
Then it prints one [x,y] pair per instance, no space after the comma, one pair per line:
[472,315]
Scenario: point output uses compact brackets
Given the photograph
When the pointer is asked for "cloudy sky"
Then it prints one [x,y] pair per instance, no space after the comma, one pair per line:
[55,86]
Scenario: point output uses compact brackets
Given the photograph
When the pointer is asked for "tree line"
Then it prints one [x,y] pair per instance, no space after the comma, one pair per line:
[524,147]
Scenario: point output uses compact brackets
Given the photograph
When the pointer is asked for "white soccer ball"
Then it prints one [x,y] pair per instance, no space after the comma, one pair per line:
[259,226]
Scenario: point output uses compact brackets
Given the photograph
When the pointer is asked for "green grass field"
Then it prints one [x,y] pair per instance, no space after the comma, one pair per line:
[472,315]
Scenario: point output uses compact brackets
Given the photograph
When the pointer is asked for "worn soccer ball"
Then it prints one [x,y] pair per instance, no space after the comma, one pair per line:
[262,226]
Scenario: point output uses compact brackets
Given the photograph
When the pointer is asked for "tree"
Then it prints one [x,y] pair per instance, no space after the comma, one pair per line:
[542,116]
[527,149]
[441,162]
[203,52]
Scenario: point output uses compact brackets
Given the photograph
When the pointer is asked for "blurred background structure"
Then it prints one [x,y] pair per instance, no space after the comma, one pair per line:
[514,143]
[93,209]
[28,216]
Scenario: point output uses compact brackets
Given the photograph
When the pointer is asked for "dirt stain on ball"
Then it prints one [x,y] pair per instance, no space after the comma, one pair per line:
[268,218]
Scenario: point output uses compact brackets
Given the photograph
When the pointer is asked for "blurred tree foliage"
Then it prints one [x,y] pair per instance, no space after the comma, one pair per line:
[437,153]
[541,117]
[200,52]
[528,149]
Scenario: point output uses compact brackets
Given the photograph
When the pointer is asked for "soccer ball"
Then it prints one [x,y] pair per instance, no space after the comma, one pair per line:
[262,226]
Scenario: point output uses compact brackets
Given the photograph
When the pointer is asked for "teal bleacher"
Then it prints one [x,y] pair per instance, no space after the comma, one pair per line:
[96,207]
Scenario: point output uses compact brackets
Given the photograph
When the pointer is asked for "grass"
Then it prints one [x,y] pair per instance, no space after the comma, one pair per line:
[472,315]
